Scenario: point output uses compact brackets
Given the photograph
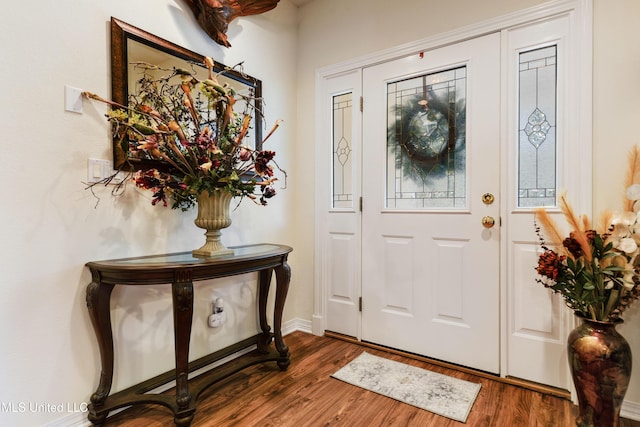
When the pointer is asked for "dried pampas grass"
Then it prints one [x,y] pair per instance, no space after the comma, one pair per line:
[579,226]
[551,230]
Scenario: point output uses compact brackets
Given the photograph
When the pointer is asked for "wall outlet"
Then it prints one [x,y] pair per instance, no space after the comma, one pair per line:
[218,317]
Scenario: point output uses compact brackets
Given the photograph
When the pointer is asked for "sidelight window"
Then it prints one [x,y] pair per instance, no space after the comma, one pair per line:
[537,142]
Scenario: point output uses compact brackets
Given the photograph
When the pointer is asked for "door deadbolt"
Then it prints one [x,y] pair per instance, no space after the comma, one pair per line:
[488,198]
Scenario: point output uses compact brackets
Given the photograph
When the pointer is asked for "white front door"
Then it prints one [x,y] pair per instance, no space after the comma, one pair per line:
[418,254]
[430,187]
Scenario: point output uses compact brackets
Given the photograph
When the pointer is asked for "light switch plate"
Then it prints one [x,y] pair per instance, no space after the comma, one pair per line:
[99,169]
[73,99]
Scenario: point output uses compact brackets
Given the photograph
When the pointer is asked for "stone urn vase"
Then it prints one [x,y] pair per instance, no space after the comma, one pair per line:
[213,216]
[600,363]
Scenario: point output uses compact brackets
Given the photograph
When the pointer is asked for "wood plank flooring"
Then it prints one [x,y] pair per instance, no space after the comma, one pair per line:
[306,395]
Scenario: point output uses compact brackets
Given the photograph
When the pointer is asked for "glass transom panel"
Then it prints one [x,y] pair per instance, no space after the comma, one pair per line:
[537,162]
[426,144]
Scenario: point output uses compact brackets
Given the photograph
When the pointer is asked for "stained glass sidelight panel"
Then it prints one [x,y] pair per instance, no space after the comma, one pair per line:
[426,144]
[537,163]
[342,151]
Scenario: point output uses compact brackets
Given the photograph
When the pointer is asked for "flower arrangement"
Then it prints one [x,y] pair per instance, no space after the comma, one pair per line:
[595,269]
[190,125]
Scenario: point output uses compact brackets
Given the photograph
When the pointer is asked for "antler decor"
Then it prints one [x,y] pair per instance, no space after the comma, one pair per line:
[214,16]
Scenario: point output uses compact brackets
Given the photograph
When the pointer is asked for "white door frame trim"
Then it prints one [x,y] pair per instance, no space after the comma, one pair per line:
[580,12]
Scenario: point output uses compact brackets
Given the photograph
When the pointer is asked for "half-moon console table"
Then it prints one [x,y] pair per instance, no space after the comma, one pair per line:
[181,270]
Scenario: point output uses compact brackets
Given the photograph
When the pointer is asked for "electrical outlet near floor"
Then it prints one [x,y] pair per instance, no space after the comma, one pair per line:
[218,316]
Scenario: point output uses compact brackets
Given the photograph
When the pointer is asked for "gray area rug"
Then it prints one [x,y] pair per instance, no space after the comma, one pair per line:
[437,393]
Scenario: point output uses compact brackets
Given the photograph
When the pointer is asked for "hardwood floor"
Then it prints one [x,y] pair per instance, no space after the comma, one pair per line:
[306,395]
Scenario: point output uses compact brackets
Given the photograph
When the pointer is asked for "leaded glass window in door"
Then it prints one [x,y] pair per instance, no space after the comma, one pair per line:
[342,151]
[537,163]
[426,164]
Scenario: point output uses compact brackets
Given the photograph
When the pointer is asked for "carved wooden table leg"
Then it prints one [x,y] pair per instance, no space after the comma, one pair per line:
[264,283]
[283,276]
[182,290]
[98,303]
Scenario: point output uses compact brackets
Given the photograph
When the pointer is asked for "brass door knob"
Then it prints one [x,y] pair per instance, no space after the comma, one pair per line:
[488,221]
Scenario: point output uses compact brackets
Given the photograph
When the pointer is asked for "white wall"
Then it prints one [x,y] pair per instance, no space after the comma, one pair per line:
[51,226]
[616,113]
[334,31]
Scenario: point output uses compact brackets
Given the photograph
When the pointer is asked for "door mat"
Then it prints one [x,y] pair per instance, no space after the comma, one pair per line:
[431,391]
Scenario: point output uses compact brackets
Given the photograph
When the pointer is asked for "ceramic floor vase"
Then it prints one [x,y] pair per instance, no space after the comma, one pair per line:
[600,363]
[213,216]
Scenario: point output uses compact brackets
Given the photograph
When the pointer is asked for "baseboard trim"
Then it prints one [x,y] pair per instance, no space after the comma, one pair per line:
[73,420]
[630,410]
[296,325]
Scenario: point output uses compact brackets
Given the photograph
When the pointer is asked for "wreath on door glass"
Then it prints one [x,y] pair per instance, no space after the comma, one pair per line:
[429,133]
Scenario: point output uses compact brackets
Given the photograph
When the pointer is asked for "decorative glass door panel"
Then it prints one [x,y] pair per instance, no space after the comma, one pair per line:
[426,145]
[537,128]
[342,151]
